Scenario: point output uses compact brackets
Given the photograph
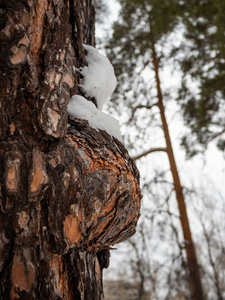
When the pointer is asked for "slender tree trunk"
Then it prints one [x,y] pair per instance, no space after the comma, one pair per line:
[66,193]
[195,279]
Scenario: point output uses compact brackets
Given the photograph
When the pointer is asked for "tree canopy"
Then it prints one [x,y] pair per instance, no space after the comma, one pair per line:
[202,61]
[188,34]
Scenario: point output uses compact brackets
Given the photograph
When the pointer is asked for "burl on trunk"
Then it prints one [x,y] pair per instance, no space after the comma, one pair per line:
[67,194]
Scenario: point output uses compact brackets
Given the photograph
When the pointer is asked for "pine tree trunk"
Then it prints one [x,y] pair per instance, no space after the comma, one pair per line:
[194,274]
[67,194]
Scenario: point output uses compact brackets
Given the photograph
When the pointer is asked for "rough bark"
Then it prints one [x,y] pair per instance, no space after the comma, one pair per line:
[192,262]
[67,194]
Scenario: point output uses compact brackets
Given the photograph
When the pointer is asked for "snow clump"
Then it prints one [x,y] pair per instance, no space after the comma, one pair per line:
[98,81]
[81,108]
[99,78]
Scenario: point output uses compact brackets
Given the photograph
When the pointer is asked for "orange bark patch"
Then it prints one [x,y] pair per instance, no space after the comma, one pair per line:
[24,41]
[53,162]
[37,180]
[37,28]
[98,271]
[11,181]
[71,229]
[59,277]
[57,271]
[12,128]
[69,174]
[20,56]
[68,79]
[51,78]
[12,174]
[39,176]
[22,277]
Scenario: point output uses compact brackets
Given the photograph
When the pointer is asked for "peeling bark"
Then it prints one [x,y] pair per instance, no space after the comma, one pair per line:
[67,194]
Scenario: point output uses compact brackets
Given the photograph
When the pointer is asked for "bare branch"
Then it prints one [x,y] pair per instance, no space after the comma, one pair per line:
[139,107]
[148,152]
[216,135]
[144,66]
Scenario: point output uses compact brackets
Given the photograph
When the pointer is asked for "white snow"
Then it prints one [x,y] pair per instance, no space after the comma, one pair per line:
[99,81]
[81,108]
[99,78]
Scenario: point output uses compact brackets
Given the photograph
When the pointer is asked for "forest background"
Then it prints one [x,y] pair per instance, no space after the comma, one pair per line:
[188,39]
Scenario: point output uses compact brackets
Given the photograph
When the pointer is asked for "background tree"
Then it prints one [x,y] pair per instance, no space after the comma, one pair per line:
[201,58]
[66,193]
[142,28]
[157,249]
[211,240]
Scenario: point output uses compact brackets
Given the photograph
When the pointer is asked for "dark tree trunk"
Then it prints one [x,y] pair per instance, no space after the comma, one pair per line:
[66,193]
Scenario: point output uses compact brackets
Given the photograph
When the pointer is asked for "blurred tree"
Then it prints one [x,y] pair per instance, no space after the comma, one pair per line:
[201,56]
[211,240]
[102,10]
[135,49]
[160,267]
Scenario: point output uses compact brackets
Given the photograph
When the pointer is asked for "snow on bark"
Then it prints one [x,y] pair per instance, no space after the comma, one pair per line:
[81,108]
[99,82]
[99,78]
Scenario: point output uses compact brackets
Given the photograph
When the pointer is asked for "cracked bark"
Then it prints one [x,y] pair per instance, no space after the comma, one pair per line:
[67,194]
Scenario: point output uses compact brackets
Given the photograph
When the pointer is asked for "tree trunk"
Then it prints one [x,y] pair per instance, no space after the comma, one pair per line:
[67,194]
[194,275]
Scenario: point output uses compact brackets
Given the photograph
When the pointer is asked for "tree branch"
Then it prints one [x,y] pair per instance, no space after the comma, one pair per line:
[139,107]
[216,135]
[148,152]
[144,66]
